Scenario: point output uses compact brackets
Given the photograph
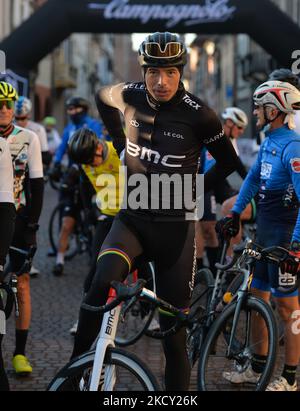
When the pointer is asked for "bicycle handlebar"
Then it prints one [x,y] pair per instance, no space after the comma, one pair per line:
[123,291]
[274,255]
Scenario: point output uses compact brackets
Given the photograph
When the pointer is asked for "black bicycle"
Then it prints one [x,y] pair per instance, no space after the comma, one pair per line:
[80,240]
[223,341]
[8,288]
[246,326]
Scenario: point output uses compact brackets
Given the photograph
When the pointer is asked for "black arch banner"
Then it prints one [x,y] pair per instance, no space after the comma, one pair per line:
[57,19]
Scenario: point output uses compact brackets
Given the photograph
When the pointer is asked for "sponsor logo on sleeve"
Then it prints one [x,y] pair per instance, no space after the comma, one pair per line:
[213,139]
[295,164]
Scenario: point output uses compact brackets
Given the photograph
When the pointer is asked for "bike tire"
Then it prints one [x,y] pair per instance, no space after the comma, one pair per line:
[134,373]
[210,377]
[53,232]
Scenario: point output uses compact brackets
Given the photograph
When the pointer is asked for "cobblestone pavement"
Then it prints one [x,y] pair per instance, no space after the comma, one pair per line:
[55,304]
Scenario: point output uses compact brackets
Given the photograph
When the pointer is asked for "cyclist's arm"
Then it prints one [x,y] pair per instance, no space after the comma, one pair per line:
[35,167]
[249,187]
[62,147]
[291,160]
[110,103]
[220,148]
[46,156]
[241,169]
[71,177]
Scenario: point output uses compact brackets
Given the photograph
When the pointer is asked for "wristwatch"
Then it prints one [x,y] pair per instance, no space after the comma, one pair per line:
[295,246]
[33,226]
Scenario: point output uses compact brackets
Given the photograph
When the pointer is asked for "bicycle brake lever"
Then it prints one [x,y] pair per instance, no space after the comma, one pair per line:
[125,292]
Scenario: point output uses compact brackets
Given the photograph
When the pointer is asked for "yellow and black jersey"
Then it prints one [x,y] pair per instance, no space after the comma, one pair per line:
[107,182]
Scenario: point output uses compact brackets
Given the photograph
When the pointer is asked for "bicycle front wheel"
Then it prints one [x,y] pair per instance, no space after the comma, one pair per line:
[122,371]
[220,368]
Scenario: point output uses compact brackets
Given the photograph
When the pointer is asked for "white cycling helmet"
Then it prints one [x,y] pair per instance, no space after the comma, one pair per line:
[23,106]
[281,94]
[238,116]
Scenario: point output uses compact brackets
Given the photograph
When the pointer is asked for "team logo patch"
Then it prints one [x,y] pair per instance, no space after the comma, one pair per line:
[295,164]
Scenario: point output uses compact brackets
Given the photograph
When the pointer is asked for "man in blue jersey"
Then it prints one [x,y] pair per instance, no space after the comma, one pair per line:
[276,178]
[77,110]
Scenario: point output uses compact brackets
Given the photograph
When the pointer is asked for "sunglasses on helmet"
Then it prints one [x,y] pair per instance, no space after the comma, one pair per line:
[8,103]
[154,50]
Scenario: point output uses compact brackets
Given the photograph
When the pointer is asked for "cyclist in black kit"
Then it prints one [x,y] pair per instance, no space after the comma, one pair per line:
[166,127]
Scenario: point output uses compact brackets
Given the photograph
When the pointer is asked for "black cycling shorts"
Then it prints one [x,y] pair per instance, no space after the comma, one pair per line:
[170,245]
[17,259]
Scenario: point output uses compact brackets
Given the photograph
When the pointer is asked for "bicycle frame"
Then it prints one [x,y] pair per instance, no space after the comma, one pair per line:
[105,339]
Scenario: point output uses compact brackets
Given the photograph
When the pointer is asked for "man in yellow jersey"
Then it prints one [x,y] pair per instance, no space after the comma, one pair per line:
[99,175]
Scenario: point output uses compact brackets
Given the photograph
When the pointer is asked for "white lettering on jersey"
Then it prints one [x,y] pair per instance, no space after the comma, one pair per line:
[191,102]
[174,135]
[266,169]
[134,86]
[215,138]
[144,153]
[134,123]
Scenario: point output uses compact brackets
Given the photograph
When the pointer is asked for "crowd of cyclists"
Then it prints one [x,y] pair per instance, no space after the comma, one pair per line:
[154,127]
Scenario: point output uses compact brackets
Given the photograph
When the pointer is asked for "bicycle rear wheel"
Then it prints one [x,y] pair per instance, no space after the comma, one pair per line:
[122,371]
[54,228]
[215,361]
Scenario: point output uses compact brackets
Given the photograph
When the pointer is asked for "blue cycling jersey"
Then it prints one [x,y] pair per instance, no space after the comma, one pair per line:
[70,129]
[275,176]
[206,161]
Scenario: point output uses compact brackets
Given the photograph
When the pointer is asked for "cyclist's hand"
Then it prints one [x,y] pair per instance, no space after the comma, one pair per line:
[291,264]
[56,173]
[229,226]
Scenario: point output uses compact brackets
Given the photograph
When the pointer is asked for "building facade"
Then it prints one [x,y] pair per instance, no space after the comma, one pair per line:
[81,64]
[226,69]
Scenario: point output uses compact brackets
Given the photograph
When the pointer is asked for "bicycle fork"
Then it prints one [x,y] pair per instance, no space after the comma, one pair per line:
[242,294]
[101,375]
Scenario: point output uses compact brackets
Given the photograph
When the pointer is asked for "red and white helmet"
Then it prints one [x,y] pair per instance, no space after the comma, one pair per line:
[278,93]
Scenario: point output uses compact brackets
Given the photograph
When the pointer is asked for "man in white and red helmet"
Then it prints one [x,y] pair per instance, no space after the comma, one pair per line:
[276,178]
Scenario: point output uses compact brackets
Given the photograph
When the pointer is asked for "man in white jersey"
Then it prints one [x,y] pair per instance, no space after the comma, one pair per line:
[27,164]
[23,109]
[7,217]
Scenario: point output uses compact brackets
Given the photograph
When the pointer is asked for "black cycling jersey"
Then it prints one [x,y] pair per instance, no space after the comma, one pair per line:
[165,138]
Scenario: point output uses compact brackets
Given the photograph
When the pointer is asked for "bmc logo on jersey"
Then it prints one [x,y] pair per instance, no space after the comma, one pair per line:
[295,164]
[151,155]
